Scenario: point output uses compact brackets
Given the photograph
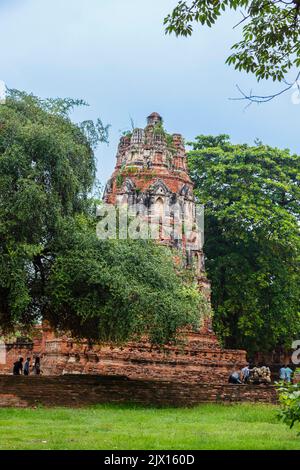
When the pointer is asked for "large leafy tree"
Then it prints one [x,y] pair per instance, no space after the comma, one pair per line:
[52,266]
[47,169]
[117,290]
[252,203]
[269,47]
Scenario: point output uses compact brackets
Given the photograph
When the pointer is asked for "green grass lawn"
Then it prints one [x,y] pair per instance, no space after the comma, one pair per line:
[127,427]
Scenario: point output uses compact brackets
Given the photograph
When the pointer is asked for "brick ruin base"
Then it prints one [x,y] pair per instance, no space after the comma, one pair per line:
[200,360]
[87,390]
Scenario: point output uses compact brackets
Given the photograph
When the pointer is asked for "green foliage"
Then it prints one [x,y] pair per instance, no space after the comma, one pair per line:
[95,132]
[289,398]
[52,266]
[118,290]
[119,179]
[252,199]
[127,134]
[207,141]
[158,129]
[269,47]
[170,144]
[131,170]
[47,170]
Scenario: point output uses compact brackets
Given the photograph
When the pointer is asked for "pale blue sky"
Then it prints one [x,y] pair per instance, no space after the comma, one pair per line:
[115,55]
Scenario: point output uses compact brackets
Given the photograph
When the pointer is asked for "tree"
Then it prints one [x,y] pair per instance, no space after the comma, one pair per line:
[117,290]
[47,170]
[252,200]
[52,266]
[269,47]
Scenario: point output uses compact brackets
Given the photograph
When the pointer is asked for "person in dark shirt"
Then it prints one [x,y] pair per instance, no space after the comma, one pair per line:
[18,367]
[27,366]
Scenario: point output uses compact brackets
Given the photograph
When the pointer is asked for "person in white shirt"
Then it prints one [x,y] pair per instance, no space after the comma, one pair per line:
[245,373]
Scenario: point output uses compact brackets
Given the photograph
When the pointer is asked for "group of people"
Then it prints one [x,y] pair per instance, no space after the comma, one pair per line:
[20,367]
[257,375]
[251,375]
[240,376]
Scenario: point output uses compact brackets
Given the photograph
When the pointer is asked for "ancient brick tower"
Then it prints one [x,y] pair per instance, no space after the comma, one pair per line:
[151,175]
[150,172]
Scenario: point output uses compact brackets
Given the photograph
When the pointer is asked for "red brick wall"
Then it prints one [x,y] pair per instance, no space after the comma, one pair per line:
[87,390]
[200,360]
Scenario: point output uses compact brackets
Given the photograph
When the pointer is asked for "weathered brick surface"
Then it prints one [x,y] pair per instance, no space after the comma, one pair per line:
[86,390]
[200,360]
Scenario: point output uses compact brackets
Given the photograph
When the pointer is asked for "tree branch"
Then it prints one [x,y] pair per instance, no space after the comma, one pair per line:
[265,98]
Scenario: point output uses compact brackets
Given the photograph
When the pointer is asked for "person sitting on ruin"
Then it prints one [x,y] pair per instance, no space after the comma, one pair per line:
[27,366]
[37,366]
[18,367]
[235,377]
